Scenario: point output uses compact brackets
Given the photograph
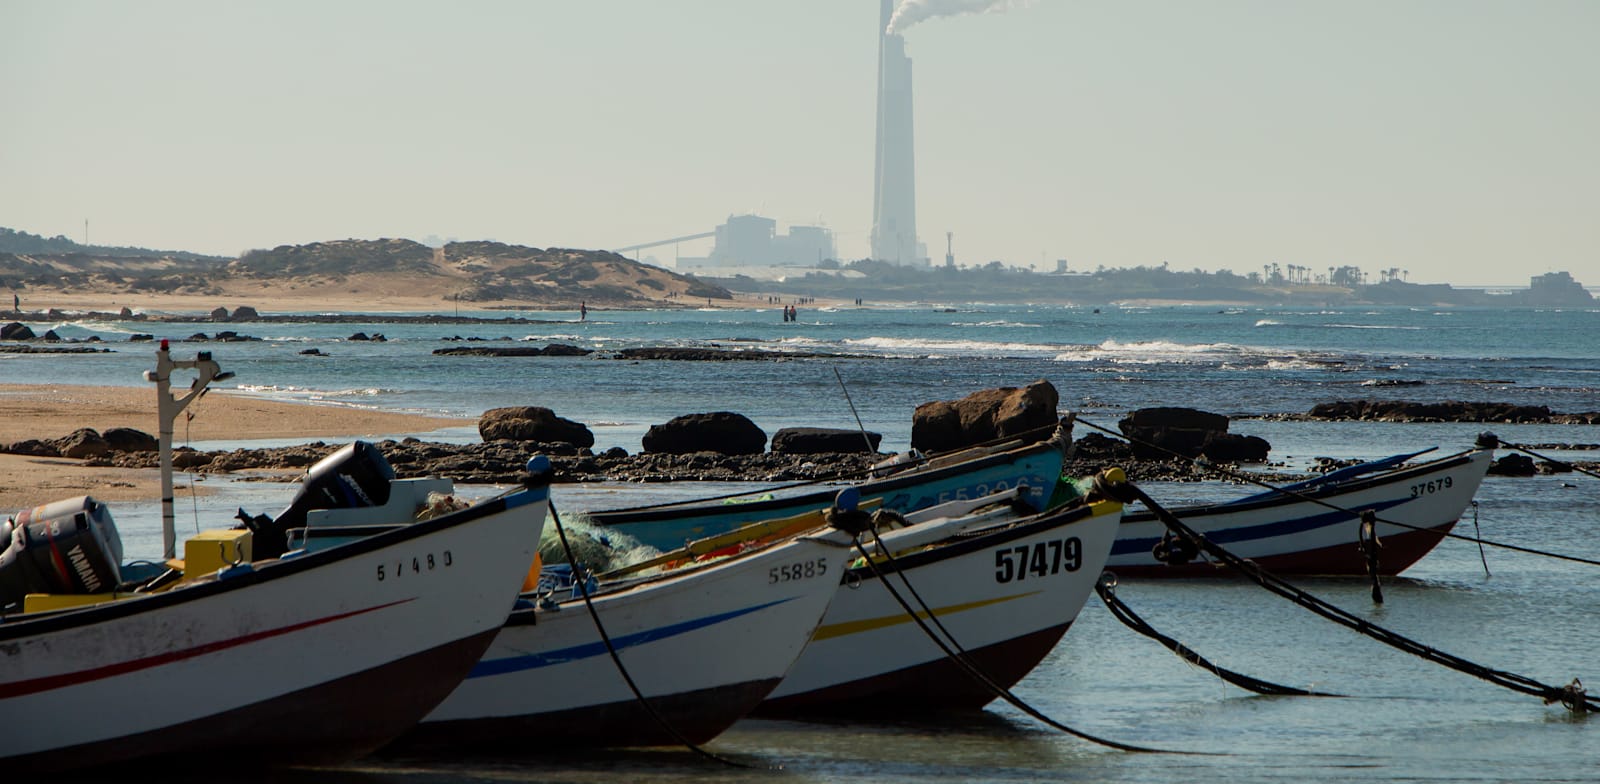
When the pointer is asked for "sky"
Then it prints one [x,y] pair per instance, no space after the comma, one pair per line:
[1451,139]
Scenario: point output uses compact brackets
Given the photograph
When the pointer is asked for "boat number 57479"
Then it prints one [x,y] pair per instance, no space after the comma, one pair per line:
[1042,559]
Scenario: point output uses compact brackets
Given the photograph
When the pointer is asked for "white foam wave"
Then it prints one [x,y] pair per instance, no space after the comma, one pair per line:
[1268,323]
[951,346]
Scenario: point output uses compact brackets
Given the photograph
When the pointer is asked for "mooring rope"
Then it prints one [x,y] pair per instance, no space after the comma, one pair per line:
[1247,479]
[1572,695]
[644,702]
[962,659]
[1106,587]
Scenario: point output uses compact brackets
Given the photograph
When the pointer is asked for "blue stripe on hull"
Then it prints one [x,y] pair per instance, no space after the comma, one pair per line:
[1251,533]
[573,653]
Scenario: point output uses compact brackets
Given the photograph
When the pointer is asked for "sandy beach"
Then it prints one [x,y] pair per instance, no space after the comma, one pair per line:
[49,411]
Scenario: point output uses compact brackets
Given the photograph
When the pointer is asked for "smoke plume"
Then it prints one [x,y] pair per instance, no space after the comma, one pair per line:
[910,12]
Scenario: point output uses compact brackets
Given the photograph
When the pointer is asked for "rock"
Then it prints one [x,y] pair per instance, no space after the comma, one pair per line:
[1154,432]
[220,314]
[33,447]
[127,439]
[1235,448]
[198,336]
[50,336]
[822,440]
[313,352]
[1449,411]
[532,423]
[126,312]
[245,313]
[1513,465]
[565,350]
[82,443]
[721,432]
[16,330]
[138,337]
[359,336]
[945,425]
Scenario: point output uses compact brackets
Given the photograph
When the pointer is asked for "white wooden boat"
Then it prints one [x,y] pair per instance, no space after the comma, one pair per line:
[315,657]
[1307,533]
[703,642]
[1006,590]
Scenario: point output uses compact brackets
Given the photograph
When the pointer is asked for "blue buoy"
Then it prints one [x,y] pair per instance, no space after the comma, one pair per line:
[847,500]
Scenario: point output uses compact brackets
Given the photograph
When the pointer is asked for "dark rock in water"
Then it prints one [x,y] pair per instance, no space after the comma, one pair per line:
[1157,432]
[244,313]
[817,440]
[1004,412]
[198,336]
[359,336]
[1235,448]
[552,350]
[313,352]
[220,314]
[709,354]
[1449,411]
[532,423]
[1513,465]
[614,453]
[127,439]
[16,330]
[50,336]
[140,337]
[126,312]
[82,443]
[721,432]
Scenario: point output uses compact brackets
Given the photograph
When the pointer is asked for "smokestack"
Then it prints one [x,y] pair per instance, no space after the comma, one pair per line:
[894,203]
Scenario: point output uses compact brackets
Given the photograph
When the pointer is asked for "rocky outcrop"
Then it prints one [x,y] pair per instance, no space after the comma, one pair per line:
[16,330]
[127,439]
[722,432]
[552,350]
[1449,411]
[82,443]
[1159,433]
[1004,412]
[820,440]
[532,423]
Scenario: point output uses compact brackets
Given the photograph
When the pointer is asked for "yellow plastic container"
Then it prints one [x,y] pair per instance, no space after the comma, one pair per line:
[43,602]
[211,550]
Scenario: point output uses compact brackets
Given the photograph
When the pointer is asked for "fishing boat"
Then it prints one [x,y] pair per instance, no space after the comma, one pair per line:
[915,483]
[1315,527]
[703,633]
[1003,592]
[317,656]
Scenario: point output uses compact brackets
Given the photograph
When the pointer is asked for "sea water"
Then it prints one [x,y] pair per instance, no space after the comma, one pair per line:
[1401,719]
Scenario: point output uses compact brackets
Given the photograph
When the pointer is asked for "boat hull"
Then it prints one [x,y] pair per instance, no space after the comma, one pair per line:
[1292,535]
[1003,595]
[313,659]
[704,647]
[668,527]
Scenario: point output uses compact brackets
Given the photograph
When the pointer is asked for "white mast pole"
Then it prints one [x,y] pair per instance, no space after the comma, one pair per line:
[167,409]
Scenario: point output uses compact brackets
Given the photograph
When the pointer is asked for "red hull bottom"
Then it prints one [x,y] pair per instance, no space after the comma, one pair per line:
[327,724]
[936,686]
[698,716]
[1399,553]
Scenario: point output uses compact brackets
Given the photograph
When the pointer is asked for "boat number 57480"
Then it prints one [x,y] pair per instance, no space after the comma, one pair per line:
[1042,559]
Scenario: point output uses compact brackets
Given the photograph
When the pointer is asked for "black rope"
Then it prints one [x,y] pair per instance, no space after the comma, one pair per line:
[962,659]
[580,581]
[1571,695]
[1247,479]
[1106,587]
[1550,460]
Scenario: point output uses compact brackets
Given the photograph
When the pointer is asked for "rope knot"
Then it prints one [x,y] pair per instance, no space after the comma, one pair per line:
[1572,696]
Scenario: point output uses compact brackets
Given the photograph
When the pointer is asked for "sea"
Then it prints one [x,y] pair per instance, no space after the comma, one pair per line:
[1399,718]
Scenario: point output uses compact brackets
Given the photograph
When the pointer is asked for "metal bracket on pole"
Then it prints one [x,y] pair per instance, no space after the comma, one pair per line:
[167,410]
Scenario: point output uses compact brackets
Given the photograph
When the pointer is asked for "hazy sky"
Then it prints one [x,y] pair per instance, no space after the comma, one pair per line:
[1455,139]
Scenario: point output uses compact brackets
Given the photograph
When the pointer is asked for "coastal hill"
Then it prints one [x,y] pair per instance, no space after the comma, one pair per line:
[484,273]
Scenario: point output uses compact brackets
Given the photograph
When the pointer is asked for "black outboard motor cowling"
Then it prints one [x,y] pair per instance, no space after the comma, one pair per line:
[355,476]
[66,547]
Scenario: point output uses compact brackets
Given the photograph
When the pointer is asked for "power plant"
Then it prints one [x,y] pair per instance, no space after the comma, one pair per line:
[894,191]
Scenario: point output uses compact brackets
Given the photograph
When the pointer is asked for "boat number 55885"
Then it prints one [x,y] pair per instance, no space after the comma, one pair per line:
[1042,559]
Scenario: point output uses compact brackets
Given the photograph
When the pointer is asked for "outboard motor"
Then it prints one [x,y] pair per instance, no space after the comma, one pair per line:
[68,547]
[355,476]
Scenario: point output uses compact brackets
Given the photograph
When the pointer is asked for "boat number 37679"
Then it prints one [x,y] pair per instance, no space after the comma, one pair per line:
[1042,559]
[418,564]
